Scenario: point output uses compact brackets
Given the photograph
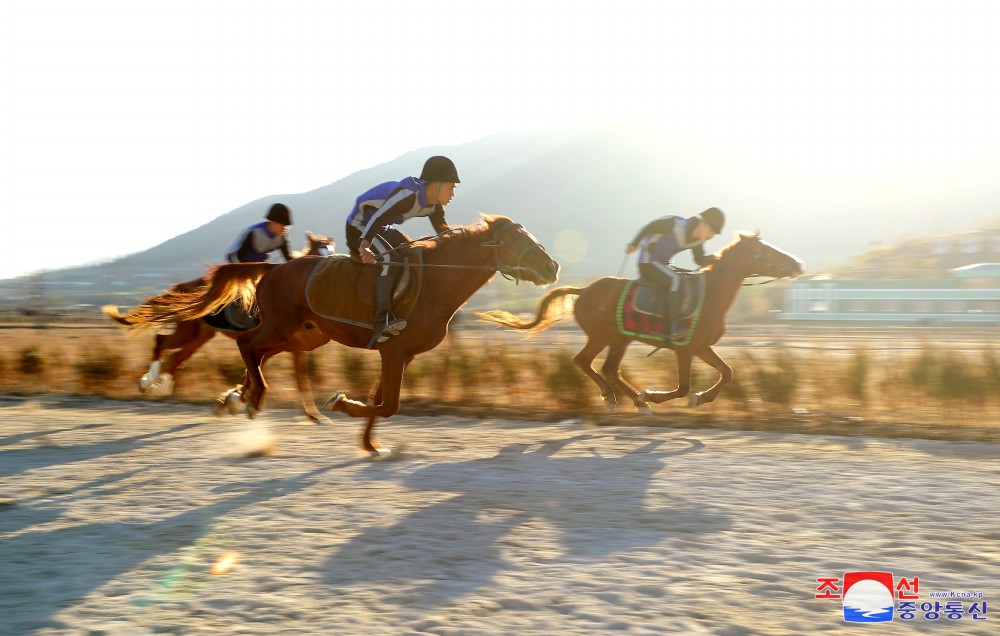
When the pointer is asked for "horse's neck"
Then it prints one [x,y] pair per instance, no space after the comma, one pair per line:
[462,273]
[724,282]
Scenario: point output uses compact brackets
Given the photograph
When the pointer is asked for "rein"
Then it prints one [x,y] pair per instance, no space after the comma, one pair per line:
[757,284]
[507,271]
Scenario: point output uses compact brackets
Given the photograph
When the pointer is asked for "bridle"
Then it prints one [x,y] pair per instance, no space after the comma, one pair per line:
[512,272]
[501,245]
[757,258]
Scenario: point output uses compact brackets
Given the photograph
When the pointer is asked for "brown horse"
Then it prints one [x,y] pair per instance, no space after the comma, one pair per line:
[188,336]
[596,312]
[452,267]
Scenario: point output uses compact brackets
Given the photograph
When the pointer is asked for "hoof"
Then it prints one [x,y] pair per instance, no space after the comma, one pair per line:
[234,401]
[331,404]
[380,453]
[693,401]
[315,418]
[252,413]
[162,386]
[611,404]
[645,409]
[144,383]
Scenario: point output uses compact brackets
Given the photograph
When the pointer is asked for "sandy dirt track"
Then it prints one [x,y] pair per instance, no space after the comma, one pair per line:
[112,514]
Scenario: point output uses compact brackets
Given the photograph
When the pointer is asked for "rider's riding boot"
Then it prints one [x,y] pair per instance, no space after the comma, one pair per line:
[385,325]
[670,308]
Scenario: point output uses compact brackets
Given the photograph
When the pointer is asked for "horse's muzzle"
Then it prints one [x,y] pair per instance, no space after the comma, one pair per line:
[548,273]
[796,269]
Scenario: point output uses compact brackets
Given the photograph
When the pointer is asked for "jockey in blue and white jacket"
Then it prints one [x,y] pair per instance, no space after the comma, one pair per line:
[659,241]
[255,242]
[388,204]
[372,238]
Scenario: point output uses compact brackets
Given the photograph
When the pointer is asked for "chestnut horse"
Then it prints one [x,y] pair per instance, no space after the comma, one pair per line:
[596,312]
[453,266]
[189,336]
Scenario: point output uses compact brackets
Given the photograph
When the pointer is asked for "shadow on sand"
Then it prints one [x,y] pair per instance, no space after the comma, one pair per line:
[596,506]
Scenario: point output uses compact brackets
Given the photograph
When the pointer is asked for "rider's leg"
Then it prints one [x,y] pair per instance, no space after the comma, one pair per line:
[668,283]
[386,324]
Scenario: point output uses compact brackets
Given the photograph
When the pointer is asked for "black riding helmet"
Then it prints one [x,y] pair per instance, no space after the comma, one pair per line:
[439,169]
[714,218]
[279,213]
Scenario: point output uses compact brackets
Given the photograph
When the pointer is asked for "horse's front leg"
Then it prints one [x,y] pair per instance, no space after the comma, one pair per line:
[683,382]
[386,390]
[710,357]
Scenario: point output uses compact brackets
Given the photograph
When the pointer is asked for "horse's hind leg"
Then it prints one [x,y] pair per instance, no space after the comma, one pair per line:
[190,336]
[187,337]
[611,370]
[235,399]
[152,376]
[255,347]
[305,386]
[585,360]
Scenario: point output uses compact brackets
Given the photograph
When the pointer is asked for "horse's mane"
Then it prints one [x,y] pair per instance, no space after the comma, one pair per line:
[732,246]
[459,235]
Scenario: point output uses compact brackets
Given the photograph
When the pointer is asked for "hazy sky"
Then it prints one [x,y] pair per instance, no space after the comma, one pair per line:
[126,123]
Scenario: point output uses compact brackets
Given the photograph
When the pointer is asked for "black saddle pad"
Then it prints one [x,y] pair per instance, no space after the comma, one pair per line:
[234,318]
[648,298]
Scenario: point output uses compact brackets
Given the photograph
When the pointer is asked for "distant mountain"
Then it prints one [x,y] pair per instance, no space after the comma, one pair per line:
[585,193]
[928,257]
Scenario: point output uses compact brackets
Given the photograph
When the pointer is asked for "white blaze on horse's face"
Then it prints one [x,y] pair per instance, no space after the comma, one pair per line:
[769,260]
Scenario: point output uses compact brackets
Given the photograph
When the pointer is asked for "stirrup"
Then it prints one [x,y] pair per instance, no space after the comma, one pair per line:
[381,334]
[393,327]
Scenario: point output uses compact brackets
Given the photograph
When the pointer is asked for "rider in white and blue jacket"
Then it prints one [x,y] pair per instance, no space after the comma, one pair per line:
[372,237]
[659,241]
[255,242]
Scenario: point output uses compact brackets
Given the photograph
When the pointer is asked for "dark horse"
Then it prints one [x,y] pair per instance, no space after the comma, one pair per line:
[596,312]
[453,266]
[189,336]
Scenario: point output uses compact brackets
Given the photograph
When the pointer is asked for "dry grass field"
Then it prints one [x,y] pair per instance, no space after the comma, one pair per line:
[917,386]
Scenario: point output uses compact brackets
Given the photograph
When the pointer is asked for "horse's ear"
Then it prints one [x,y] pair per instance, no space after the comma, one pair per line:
[309,235]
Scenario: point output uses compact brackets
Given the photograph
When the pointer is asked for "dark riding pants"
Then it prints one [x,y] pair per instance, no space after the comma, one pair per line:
[668,282]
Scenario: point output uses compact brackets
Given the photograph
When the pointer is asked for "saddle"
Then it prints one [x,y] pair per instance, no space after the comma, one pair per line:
[341,288]
[640,313]
[234,318]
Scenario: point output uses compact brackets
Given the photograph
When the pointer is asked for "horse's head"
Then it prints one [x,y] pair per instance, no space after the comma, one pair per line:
[318,245]
[759,258]
[518,254]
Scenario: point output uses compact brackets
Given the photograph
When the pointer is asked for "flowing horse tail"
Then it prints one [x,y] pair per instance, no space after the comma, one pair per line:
[222,285]
[111,311]
[541,321]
